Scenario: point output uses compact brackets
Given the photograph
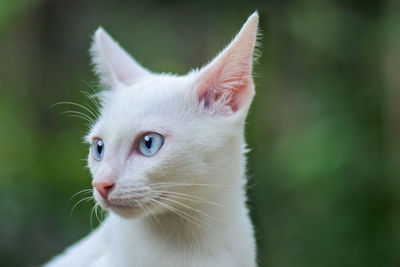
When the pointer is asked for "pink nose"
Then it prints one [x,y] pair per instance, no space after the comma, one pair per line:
[103,188]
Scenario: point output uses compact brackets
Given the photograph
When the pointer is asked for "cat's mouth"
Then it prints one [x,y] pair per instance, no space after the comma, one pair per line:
[133,203]
[128,207]
[121,206]
[127,210]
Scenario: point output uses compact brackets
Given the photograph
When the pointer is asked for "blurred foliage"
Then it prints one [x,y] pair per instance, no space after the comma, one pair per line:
[323,129]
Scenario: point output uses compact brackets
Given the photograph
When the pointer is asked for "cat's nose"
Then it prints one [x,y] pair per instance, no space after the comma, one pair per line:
[103,188]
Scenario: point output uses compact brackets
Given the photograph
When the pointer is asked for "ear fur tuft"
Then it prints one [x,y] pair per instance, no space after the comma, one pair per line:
[112,64]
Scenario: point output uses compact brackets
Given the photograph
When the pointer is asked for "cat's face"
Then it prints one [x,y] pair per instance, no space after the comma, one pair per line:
[162,141]
[150,140]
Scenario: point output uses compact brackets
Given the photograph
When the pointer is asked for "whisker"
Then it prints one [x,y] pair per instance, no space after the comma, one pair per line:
[103,213]
[97,215]
[143,208]
[80,201]
[68,114]
[191,208]
[84,191]
[79,114]
[91,215]
[74,104]
[189,197]
[88,84]
[188,184]
[251,186]
[182,214]
[152,215]
[92,99]
[76,116]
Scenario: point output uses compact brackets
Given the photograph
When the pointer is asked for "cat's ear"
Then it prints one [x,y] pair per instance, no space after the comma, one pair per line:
[227,81]
[112,64]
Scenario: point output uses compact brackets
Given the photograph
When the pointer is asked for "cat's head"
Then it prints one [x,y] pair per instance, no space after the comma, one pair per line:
[162,140]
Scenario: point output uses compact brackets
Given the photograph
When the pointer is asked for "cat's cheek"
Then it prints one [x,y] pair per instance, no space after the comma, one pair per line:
[92,165]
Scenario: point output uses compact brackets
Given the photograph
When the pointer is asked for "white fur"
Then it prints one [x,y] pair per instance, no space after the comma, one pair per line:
[202,117]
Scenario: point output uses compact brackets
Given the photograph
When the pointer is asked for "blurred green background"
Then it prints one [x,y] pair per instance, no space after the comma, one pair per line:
[324,128]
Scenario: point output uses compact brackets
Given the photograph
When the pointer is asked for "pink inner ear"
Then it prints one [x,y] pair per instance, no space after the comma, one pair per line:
[232,96]
[239,91]
[227,79]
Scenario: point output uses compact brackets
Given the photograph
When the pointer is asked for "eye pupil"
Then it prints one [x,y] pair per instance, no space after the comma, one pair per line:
[148,141]
[98,149]
[99,146]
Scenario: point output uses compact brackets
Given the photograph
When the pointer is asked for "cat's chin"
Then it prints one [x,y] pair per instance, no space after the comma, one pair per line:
[125,211]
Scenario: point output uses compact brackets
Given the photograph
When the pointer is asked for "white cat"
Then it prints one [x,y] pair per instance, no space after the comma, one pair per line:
[167,159]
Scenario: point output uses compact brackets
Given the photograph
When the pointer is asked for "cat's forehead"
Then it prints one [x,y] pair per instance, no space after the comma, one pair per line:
[158,85]
[151,94]
[156,101]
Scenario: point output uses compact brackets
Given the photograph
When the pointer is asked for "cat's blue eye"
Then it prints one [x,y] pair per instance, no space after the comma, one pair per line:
[98,149]
[150,144]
